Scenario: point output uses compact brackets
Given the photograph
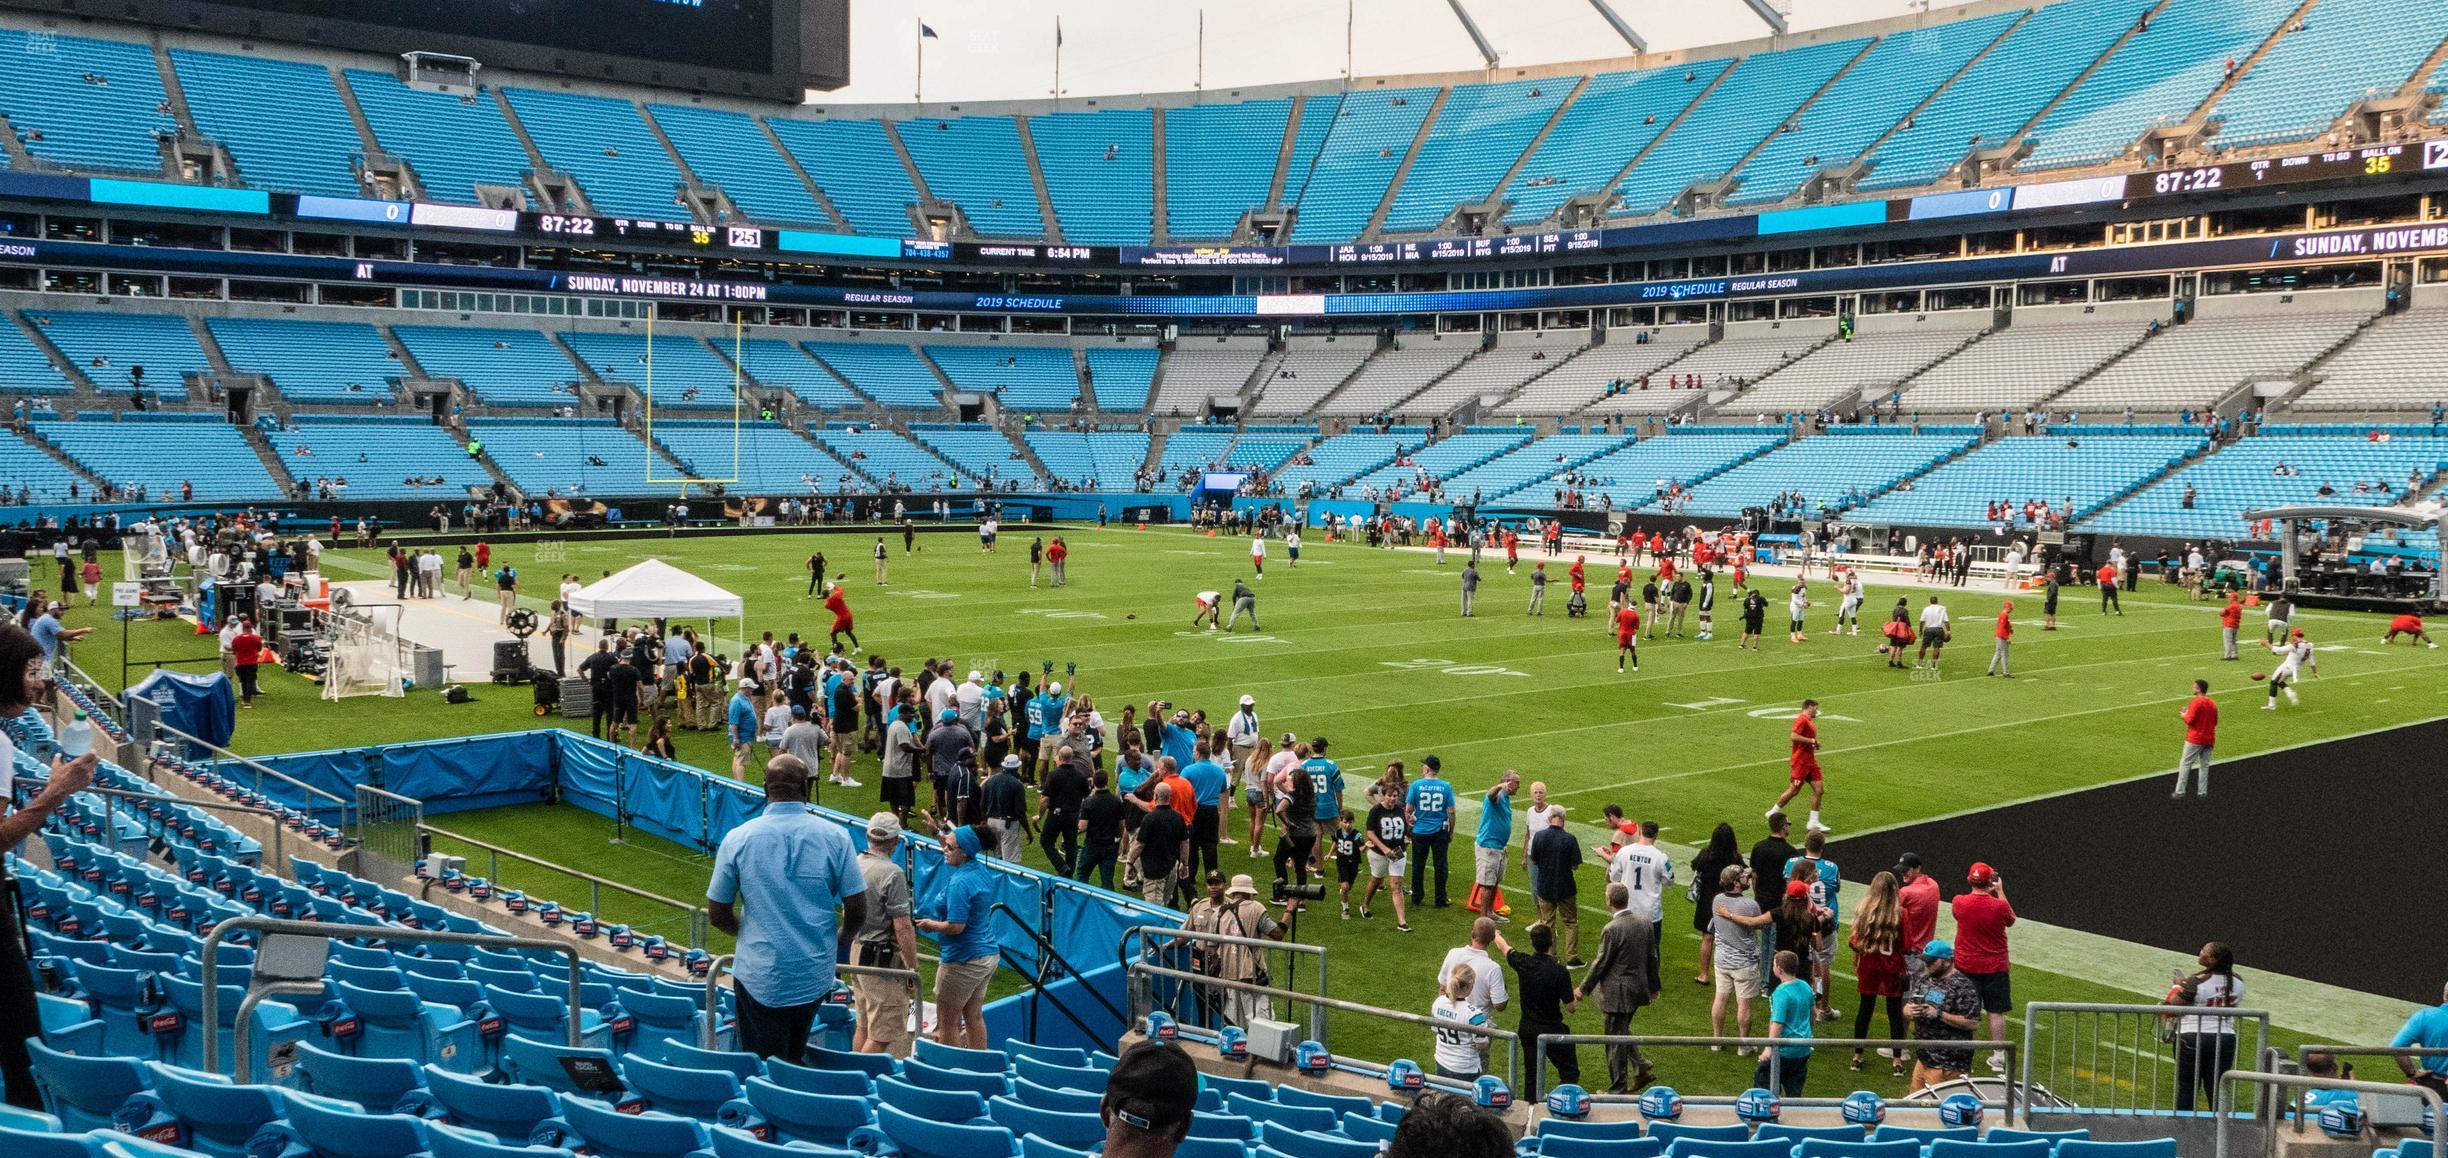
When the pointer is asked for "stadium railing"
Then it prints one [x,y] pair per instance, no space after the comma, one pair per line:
[2009,1101]
[1167,933]
[2227,1108]
[430,839]
[710,1035]
[273,820]
[2110,1058]
[266,928]
[1199,981]
[310,798]
[2275,1059]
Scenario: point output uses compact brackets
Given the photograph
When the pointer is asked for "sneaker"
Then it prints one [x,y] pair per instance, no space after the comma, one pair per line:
[2270,706]
[1347,912]
[1226,840]
[1365,913]
[847,782]
[1503,919]
[1399,928]
[1997,1061]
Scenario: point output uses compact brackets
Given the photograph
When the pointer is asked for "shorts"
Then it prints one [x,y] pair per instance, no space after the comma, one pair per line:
[1743,983]
[1487,866]
[1381,865]
[1253,796]
[1805,773]
[1622,640]
[1996,990]
[882,1004]
[957,983]
[623,712]
[901,791]
[1347,871]
[1933,637]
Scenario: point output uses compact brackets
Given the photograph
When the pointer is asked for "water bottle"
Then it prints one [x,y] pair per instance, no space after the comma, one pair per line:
[77,738]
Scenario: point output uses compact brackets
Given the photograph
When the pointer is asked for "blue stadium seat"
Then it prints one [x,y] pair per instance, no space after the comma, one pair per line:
[507,1112]
[688,1056]
[123,997]
[984,1085]
[537,1063]
[1673,1132]
[1083,1131]
[23,1142]
[85,103]
[860,171]
[454,142]
[1099,173]
[1337,1103]
[871,1064]
[213,1115]
[1925,1136]
[374,1083]
[447,1141]
[68,1026]
[336,1129]
[729,1143]
[1988,1148]
[796,1116]
[675,1090]
[1050,1098]
[1367,1128]
[729,150]
[931,1138]
[1771,1130]
[1032,1146]
[2086,1148]
[977,163]
[400,1024]
[810,1080]
[612,1134]
[1316,1119]
[82,1091]
[1620,1129]
[1306,1144]
[544,1016]
[1061,1077]
[1219,160]
[1849,1148]
[1711,1148]
[1235,1127]
[2011,1134]
[1569,1146]
[939,1105]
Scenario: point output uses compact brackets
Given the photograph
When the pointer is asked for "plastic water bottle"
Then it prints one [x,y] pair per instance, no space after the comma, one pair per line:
[77,738]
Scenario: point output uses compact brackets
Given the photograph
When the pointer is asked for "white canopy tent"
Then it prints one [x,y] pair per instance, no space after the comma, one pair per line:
[655,589]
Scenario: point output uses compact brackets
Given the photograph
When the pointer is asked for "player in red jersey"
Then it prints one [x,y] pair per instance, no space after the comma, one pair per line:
[1627,633]
[1802,764]
[1512,551]
[2407,625]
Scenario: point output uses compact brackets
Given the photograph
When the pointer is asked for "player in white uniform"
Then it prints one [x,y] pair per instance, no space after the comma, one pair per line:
[1644,872]
[1258,555]
[1848,612]
[1795,605]
[2298,656]
[1209,605]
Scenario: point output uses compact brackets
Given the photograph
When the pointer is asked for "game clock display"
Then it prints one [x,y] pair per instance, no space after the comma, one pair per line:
[2367,162]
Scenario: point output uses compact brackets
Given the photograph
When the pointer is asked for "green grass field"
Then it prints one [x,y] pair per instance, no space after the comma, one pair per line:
[1366,647]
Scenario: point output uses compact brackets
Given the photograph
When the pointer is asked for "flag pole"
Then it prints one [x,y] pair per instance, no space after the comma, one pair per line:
[1058,62]
[921,89]
[1201,85]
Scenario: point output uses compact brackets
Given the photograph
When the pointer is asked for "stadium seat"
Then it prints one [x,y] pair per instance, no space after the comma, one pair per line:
[1713,1148]
[871,1064]
[978,1061]
[1066,1077]
[796,1116]
[1032,1146]
[372,1083]
[507,1112]
[1853,1148]
[1772,1130]
[2012,1134]
[83,1091]
[1306,1144]
[1198,1147]
[1337,1103]
[2086,1148]
[334,1129]
[1986,1148]
[1569,1146]
[122,998]
[610,1133]
[1083,1131]
[23,1142]
[677,1090]
[984,1085]
[809,1080]
[1926,1136]
[448,1141]
[1316,1119]
[213,1115]
[730,1143]
[928,1138]
[544,1016]
[1367,1128]
[1619,1129]
[399,1024]
[936,1105]
[1233,1127]
[1049,1098]
[536,1063]
[689,1056]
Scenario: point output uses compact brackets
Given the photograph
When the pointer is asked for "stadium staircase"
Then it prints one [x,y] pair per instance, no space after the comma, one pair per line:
[557,191]
[33,437]
[13,148]
[1842,174]
[2194,459]
[1266,371]
[1604,199]
[2310,375]
[909,164]
[2095,371]
[1495,204]
[2004,156]
[270,458]
[1037,180]
[1283,159]
[2194,122]
[790,161]
[1402,172]
[175,91]
[1715,189]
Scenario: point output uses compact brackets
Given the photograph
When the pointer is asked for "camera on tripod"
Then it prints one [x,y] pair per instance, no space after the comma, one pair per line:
[1285,890]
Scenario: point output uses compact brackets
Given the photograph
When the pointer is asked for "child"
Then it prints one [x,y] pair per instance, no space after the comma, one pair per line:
[92,575]
[1346,843]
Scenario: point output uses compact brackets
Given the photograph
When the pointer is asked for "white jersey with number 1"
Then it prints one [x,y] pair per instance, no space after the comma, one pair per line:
[1644,872]
[2297,655]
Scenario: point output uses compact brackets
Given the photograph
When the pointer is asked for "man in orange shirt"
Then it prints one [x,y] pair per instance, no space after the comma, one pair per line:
[1627,632]
[2005,635]
[1803,764]
[2201,735]
[2108,590]
[2231,618]
[1185,795]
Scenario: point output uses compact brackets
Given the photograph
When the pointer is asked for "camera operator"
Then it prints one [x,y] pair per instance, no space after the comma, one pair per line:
[1234,911]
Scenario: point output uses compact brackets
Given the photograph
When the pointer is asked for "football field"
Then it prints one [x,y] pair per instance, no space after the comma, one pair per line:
[1367,648]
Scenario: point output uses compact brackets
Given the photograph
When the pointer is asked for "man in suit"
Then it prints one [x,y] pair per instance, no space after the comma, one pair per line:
[1625,977]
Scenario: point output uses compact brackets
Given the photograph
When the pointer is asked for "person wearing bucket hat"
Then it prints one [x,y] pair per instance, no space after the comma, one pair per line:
[887,940]
[1943,1006]
[1232,909]
[965,940]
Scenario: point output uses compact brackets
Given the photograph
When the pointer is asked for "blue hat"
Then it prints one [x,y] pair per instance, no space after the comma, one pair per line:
[1939,949]
[948,716]
[967,838]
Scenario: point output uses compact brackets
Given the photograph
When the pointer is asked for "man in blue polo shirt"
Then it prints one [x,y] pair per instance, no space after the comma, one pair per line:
[1050,708]
[964,937]
[1488,858]
[2427,1029]
[777,878]
[1209,780]
[741,725]
[1326,784]
[1429,805]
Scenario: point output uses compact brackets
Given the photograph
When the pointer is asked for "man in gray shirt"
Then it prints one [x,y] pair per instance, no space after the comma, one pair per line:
[804,739]
[886,940]
[1470,584]
[1736,922]
[900,789]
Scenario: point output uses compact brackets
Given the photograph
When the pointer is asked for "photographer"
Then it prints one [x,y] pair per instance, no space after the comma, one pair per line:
[1234,911]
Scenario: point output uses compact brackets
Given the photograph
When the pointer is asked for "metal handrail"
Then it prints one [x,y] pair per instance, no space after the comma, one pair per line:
[110,813]
[709,1034]
[2226,1103]
[1317,1013]
[1776,1060]
[221,753]
[1047,952]
[1511,1039]
[2032,1019]
[242,1033]
[595,884]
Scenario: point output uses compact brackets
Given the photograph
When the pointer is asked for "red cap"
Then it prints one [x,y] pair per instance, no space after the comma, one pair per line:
[1797,889]
[1981,873]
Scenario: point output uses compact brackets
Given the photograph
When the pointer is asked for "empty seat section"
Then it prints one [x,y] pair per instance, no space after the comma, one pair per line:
[756,456]
[979,450]
[1529,465]
[2014,368]
[2346,49]
[160,455]
[1637,473]
[1121,376]
[2092,467]
[378,456]
[892,374]
[1194,448]
[502,367]
[1496,373]
[2158,76]
[673,371]
[2193,365]
[312,362]
[1762,93]
[1747,352]
[1439,461]
[562,454]
[1398,372]
[1828,471]
[1262,449]
[282,120]
[1027,378]
[977,164]
[1366,135]
[606,145]
[1299,376]
[782,365]
[2244,476]
[1617,116]
[1897,74]
[1586,376]
[1992,100]
[1872,364]
[453,141]
[83,103]
[855,164]
[29,475]
[107,348]
[24,368]
[1200,369]
[1473,142]
[1219,162]
[887,457]
[2393,365]
[1100,172]
[1111,459]
[1346,456]
[731,150]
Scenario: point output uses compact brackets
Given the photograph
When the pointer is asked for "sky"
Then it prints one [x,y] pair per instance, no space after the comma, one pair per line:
[1004,49]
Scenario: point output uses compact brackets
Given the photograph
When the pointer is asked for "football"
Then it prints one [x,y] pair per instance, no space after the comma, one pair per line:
[2259,676]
